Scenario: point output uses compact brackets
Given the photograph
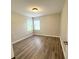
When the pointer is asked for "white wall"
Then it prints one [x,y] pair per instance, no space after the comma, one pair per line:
[49,25]
[64,27]
[19,26]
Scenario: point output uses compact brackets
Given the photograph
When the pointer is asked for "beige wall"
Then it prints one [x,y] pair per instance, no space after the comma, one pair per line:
[64,27]
[19,28]
[12,52]
[49,25]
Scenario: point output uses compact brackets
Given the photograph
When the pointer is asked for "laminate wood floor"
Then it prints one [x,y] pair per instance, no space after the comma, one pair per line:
[38,47]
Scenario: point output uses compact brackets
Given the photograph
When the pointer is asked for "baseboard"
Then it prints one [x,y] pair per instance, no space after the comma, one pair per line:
[22,38]
[63,47]
[48,35]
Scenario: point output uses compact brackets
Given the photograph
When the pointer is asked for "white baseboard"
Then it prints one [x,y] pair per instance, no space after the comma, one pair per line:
[48,35]
[32,35]
[22,38]
[63,48]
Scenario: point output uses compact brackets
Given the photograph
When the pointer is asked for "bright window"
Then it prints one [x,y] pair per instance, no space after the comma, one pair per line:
[29,24]
[36,24]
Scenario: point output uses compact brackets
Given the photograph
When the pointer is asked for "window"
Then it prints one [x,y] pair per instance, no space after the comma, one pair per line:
[36,24]
[29,24]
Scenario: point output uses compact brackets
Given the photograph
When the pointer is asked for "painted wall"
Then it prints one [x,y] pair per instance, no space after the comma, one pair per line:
[49,25]
[19,26]
[12,53]
[64,27]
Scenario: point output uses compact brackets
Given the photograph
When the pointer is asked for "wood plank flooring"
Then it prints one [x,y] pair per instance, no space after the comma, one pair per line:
[38,47]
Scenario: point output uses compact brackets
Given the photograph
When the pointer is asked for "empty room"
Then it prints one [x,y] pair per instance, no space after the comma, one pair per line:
[39,29]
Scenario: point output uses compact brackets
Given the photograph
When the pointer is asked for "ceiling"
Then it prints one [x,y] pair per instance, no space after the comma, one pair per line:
[45,7]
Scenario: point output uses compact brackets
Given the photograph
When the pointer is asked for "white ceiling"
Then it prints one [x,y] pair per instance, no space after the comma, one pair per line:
[45,7]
